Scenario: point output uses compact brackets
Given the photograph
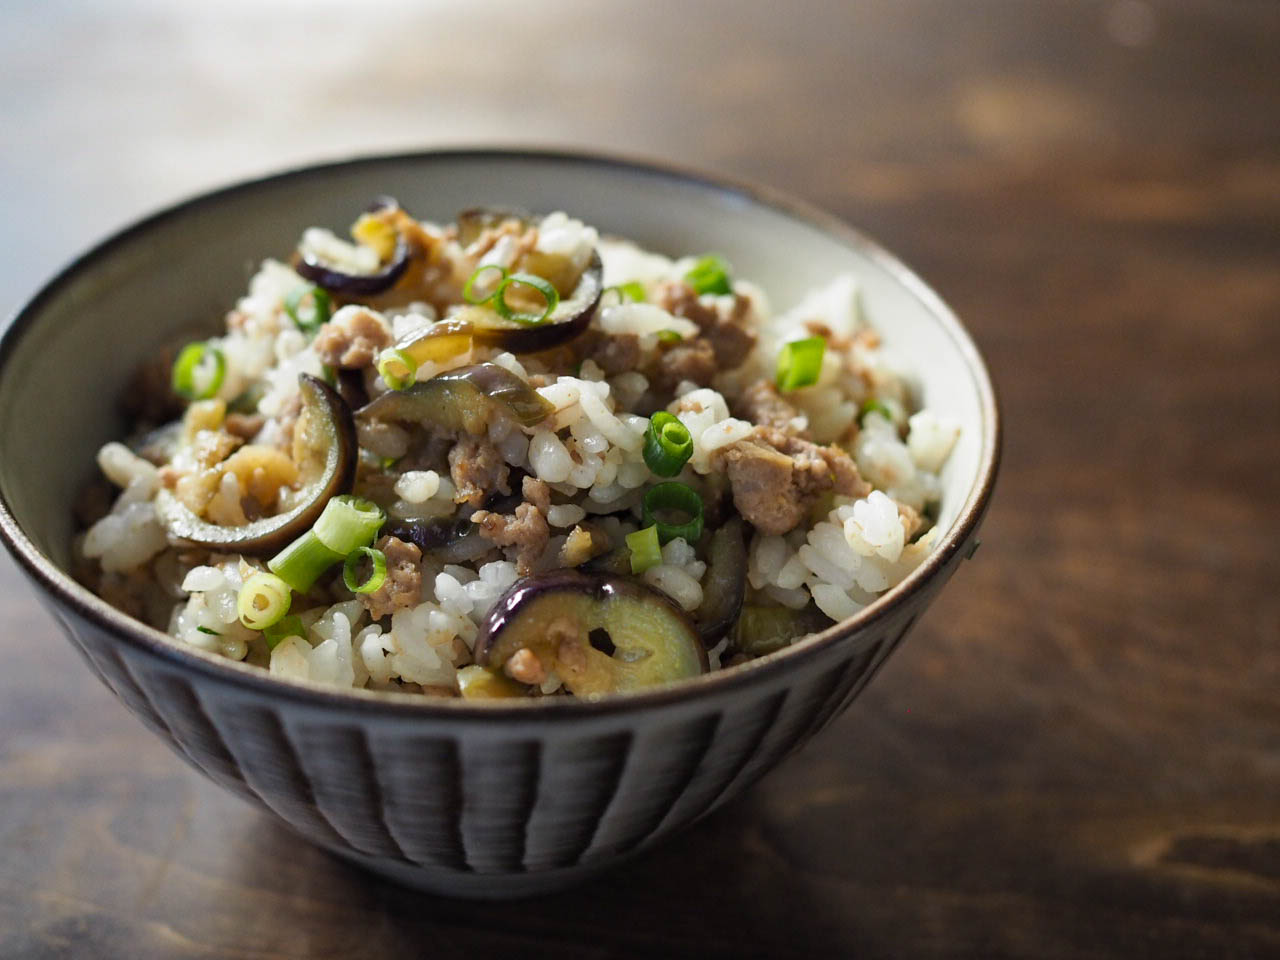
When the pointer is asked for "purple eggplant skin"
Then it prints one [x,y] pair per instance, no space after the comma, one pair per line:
[453,541]
[355,284]
[270,534]
[654,640]
[466,398]
[473,222]
[725,584]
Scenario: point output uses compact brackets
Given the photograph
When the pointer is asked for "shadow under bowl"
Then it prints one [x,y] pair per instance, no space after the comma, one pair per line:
[461,798]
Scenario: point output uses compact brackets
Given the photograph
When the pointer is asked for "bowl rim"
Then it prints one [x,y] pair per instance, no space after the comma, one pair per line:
[212,667]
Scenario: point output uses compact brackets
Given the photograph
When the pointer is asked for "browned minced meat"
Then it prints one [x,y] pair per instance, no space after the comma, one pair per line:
[244,425]
[761,404]
[536,492]
[613,354]
[729,336]
[776,478]
[523,666]
[526,529]
[403,586]
[693,360]
[354,343]
[477,470]
[911,520]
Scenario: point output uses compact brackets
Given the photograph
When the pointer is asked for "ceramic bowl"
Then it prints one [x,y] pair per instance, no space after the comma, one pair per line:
[461,798]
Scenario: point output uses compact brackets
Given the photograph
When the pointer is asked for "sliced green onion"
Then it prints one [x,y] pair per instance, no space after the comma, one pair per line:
[199,370]
[549,294]
[397,369]
[263,600]
[351,567]
[667,444]
[800,363]
[321,308]
[673,496]
[632,292]
[873,406]
[645,551]
[302,562]
[469,291]
[709,275]
[290,626]
[668,336]
[386,463]
[212,633]
[348,522]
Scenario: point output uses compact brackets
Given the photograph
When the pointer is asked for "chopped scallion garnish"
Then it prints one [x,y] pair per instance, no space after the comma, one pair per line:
[550,296]
[672,496]
[873,406]
[469,289]
[667,444]
[348,522]
[290,626]
[397,369]
[800,363]
[710,275]
[199,370]
[351,567]
[212,633]
[645,550]
[296,305]
[668,336]
[632,292]
[301,563]
[263,600]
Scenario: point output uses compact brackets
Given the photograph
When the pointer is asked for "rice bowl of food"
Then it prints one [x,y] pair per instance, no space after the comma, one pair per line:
[543,463]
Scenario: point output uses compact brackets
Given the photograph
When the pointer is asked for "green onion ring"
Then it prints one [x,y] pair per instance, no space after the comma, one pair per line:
[873,406]
[800,363]
[673,496]
[709,275]
[397,381]
[263,600]
[667,444]
[468,290]
[544,287]
[290,626]
[191,359]
[321,308]
[351,565]
[348,522]
[645,551]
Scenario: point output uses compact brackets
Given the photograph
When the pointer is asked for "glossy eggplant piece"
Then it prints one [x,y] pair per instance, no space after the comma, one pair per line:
[473,222]
[569,320]
[331,456]
[346,284]
[765,629]
[454,541]
[725,583]
[467,398]
[556,615]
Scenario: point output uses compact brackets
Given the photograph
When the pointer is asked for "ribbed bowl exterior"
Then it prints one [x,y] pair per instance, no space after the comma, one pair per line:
[481,806]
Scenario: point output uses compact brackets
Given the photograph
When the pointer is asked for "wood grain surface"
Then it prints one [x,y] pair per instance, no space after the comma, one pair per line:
[1077,753]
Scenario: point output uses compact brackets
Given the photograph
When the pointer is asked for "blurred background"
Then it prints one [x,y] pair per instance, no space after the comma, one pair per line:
[1077,753]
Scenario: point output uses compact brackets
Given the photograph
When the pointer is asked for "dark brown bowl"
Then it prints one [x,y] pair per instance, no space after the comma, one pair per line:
[463,798]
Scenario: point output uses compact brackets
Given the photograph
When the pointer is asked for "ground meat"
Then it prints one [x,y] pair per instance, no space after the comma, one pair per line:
[728,335]
[244,425]
[760,403]
[526,530]
[477,469]
[523,666]
[536,492]
[579,547]
[354,342]
[693,360]
[403,586]
[613,354]
[911,520]
[777,478]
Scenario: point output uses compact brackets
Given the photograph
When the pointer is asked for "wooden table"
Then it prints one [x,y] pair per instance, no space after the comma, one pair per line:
[1076,754]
